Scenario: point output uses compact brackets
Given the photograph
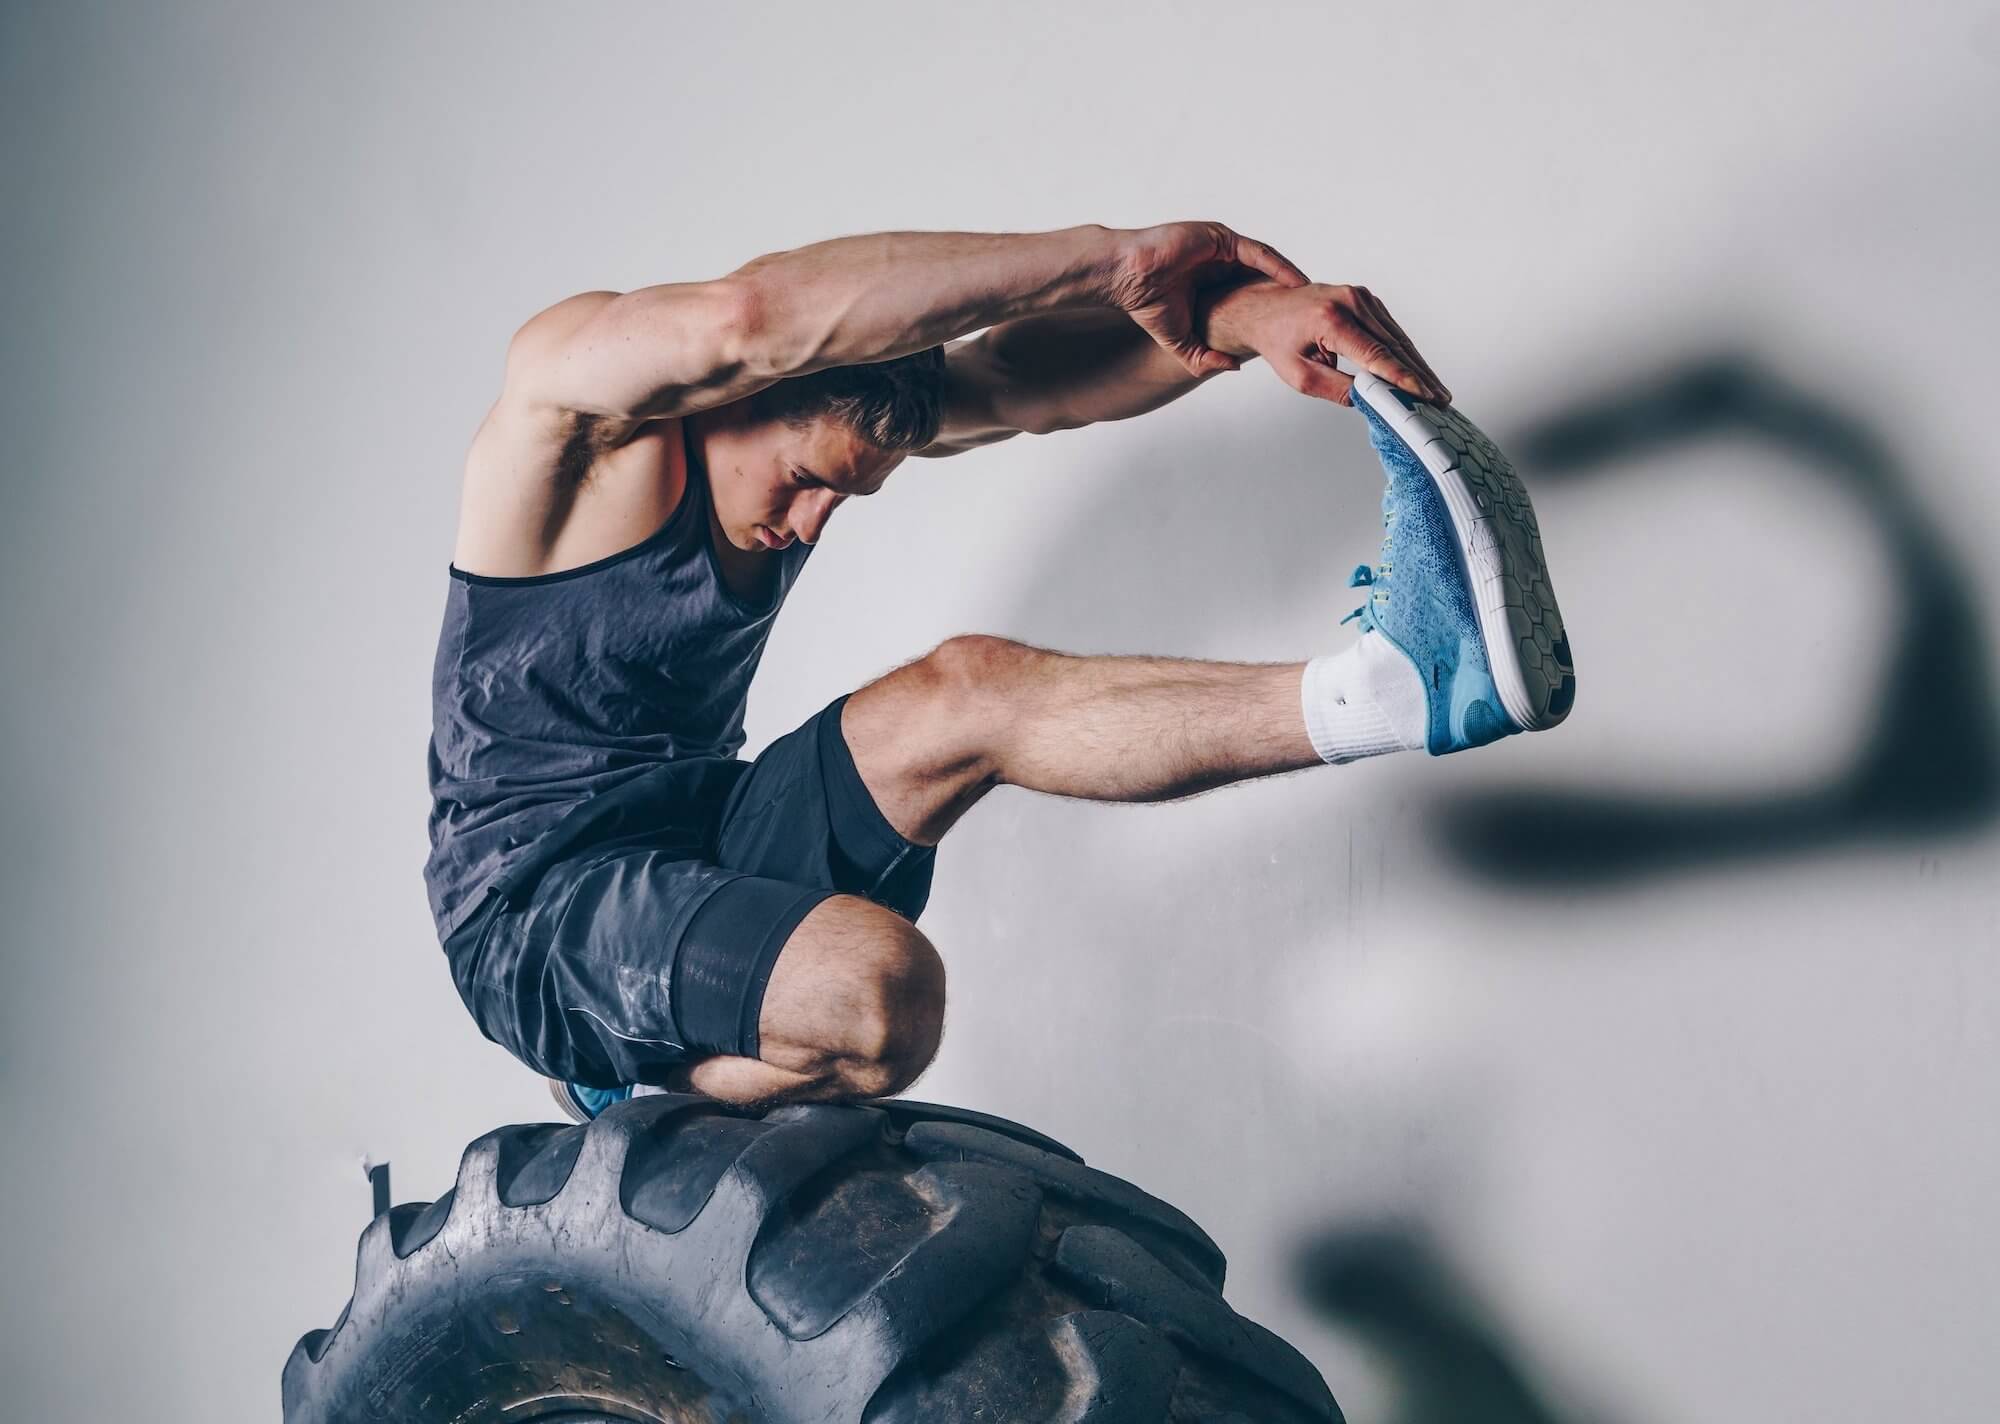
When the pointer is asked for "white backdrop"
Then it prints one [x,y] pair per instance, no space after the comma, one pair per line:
[1650,1062]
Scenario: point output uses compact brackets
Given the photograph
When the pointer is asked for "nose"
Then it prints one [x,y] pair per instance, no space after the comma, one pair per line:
[816,515]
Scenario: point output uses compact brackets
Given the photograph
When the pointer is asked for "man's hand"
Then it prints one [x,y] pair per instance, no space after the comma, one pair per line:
[1299,330]
[1160,268]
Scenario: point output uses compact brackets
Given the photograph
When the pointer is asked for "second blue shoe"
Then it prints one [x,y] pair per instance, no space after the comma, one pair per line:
[583,1103]
[1462,588]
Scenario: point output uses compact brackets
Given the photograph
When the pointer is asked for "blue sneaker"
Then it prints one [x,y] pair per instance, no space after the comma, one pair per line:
[584,1103]
[1461,589]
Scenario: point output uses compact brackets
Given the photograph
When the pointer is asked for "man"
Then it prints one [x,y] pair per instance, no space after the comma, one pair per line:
[621,900]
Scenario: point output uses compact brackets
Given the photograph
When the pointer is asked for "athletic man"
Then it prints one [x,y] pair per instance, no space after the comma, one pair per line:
[621,900]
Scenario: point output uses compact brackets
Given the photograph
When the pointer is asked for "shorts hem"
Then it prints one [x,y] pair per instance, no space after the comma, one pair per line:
[865,814]
[767,959]
[723,963]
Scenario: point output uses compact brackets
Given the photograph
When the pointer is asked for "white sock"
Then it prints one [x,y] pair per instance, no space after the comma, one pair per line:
[1363,702]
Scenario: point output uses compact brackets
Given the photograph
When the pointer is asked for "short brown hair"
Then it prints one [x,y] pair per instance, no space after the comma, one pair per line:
[894,405]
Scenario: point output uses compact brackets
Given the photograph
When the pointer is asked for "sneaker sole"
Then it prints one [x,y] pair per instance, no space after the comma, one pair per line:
[1502,545]
[559,1090]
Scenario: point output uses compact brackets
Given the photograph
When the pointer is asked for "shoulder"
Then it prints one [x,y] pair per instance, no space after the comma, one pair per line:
[543,481]
[526,436]
[542,335]
[548,489]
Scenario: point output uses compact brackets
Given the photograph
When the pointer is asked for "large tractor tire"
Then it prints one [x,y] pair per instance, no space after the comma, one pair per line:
[679,1261]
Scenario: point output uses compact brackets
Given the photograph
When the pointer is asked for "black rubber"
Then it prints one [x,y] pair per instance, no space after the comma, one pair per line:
[881,1263]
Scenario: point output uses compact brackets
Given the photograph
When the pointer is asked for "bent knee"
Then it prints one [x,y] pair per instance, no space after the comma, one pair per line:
[898,995]
[972,663]
[856,999]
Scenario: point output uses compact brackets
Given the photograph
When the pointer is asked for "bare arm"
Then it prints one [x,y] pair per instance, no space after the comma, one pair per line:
[882,295]
[1079,368]
[1060,371]
[673,349]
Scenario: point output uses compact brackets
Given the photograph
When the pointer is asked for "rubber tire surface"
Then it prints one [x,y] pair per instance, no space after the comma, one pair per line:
[881,1263]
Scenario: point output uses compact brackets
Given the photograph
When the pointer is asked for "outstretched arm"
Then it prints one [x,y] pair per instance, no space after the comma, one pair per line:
[1041,374]
[1063,370]
[671,350]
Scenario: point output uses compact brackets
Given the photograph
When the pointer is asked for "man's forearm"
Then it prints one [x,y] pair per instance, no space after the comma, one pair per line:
[1068,369]
[880,295]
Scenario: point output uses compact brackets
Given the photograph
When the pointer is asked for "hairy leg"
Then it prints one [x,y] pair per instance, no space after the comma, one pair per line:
[932,737]
[855,1004]
[854,1009]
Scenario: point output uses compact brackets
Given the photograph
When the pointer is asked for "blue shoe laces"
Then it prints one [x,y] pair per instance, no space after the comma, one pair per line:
[1362,576]
[1365,577]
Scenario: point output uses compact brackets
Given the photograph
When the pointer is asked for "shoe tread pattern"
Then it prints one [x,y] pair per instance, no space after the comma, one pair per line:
[1503,547]
[1513,562]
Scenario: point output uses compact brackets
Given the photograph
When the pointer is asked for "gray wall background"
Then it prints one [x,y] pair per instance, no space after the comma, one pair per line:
[1641,1072]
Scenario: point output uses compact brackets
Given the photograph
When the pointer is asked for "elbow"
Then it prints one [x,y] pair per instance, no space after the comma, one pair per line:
[1000,402]
[1045,421]
[745,317]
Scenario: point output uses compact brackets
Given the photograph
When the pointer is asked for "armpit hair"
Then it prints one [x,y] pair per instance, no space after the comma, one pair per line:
[588,437]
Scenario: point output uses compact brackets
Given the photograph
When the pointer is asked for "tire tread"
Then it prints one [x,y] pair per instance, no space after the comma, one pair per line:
[815,1264]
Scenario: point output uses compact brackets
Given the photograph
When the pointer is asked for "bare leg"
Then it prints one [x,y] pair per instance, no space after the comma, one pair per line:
[934,736]
[854,1009]
[856,1000]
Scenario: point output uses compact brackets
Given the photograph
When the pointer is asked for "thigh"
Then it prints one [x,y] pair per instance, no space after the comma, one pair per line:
[583,979]
[802,813]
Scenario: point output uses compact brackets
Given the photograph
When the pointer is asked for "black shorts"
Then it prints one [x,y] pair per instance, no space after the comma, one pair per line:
[635,944]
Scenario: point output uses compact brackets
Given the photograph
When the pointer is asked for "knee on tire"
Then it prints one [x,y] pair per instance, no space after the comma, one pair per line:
[896,990]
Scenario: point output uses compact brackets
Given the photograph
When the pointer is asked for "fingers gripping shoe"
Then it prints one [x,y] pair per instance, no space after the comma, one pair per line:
[1461,589]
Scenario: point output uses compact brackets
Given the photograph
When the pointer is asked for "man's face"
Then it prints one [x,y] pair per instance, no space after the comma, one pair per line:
[772,484]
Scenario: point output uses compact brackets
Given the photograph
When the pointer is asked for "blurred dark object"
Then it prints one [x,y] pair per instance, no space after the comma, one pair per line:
[1931,765]
[1446,1359]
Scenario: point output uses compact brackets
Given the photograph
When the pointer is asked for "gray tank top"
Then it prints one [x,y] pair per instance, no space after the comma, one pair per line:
[573,705]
